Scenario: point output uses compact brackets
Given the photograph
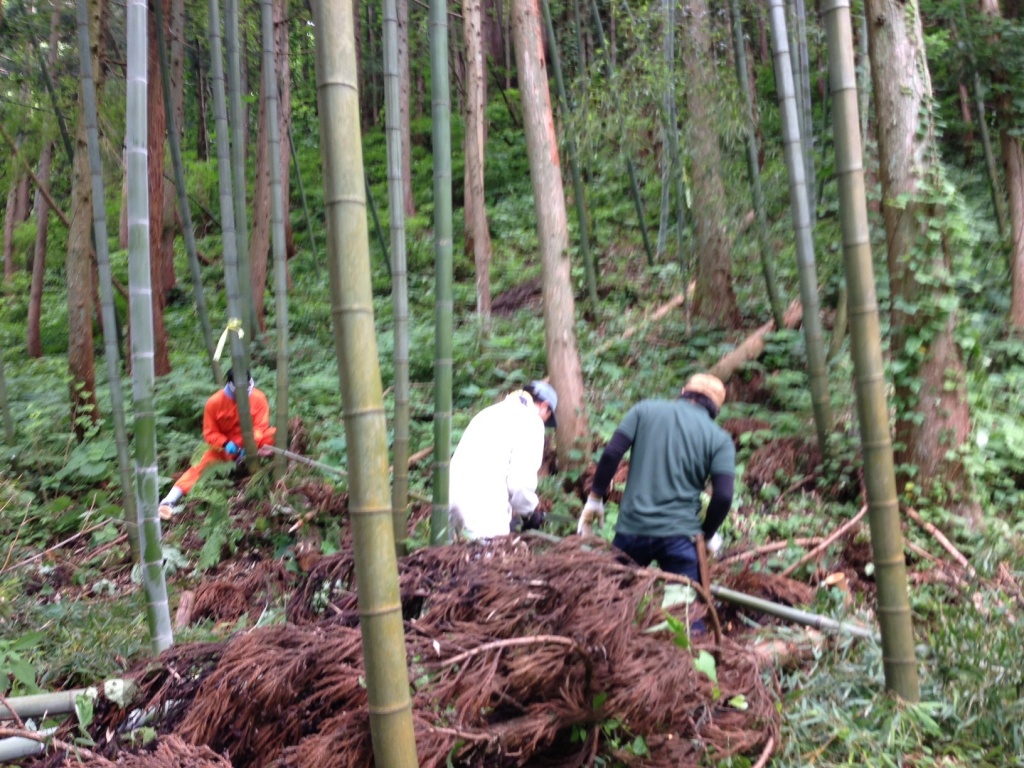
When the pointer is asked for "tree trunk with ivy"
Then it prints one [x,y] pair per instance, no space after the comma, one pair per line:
[921,219]
[714,300]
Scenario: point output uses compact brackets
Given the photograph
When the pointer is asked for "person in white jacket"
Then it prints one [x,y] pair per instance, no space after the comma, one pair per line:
[493,475]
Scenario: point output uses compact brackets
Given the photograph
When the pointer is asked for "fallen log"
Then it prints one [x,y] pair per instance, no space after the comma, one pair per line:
[676,301]
[752,347]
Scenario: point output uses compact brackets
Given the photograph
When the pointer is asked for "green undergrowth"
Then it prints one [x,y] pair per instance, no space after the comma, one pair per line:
[70,621]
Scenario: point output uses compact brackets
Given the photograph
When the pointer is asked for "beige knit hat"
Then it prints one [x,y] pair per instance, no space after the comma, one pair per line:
[710,386]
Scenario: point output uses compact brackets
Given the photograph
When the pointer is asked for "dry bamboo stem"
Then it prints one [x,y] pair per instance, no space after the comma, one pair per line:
[766,754]
[767,549]
[839,532]
[940,537]
[656,315]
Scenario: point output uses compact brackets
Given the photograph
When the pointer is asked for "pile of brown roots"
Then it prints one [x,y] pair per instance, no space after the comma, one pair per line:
[521,653]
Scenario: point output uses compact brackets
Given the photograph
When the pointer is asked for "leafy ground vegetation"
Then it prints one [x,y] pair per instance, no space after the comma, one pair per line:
[247,553]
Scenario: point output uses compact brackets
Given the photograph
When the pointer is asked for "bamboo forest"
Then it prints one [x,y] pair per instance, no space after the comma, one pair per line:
[512,383]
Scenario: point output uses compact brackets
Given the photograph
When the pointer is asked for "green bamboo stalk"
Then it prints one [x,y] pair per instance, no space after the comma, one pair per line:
[236,120]
[228,240]
[804,101]
[99,225]
[183,206]
[305,205]
[399,276]
[441,111]
[55,104]
[864,72]
[634,184]
[574,165]
[899,660]
[998,205]
[817,369]
[8,419]
[668,101]
[380,605]
[581,50]
[270,87]
[753,169]
[376,223]
[140,288]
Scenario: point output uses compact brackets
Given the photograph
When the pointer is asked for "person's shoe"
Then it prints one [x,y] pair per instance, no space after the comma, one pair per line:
[167,511]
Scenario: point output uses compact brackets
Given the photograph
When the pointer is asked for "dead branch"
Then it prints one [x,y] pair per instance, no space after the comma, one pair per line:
[183,616]
[655,316]
[940,537]
[924,554]
[60,544]
[767,549]
[752,347]
[1006,580]
[23,733]
[766,754]
[838,533]
[508,643]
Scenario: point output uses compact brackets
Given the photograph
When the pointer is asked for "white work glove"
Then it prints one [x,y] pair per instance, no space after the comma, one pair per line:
[592,510]
[714,545]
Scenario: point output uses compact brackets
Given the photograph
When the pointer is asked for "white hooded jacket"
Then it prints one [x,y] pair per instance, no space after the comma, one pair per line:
[494,469]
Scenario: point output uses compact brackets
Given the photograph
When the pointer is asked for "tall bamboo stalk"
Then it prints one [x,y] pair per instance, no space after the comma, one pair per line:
[634,184]
[990,158]
[380,605]
[864,78]
[376,223]
[55,104]
[140,289]
[399,275]
[753,168]
[305,205]
[229,242]
[817,370]
[8,419]
[183,206]
[441,110]
[99,226]
[894,616]
[236,120]
[806,106]
[270,87]
[574,165]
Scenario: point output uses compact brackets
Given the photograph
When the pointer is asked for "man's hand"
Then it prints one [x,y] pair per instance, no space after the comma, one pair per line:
[231,448]
[535,521]
[714,545]
[266,450]
[592,510]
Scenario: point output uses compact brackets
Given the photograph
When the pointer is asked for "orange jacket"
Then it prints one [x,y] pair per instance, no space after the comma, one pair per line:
[221,425]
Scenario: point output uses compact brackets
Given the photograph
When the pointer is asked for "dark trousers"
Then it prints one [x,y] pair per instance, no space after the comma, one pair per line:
[675,554]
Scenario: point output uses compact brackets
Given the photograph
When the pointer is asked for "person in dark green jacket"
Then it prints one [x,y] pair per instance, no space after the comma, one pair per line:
[676,449]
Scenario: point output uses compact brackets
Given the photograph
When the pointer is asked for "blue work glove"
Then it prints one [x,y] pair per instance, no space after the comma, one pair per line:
[241,455]
[231,448]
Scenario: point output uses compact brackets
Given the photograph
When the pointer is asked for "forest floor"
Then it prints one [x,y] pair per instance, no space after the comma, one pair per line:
[527,650]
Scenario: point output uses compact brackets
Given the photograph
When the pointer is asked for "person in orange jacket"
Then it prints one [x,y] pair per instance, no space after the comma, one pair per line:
[222,432]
